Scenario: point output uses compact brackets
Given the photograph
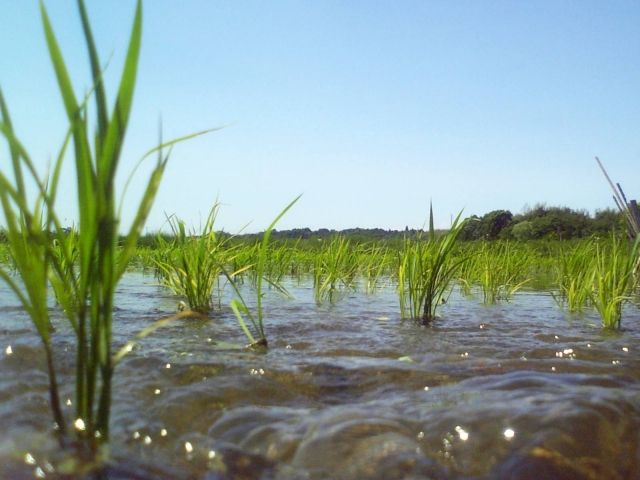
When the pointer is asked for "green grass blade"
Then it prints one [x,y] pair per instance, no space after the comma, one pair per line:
[114,137]
[101,102]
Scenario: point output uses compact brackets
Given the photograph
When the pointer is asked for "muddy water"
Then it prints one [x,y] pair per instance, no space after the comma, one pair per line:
[346,391]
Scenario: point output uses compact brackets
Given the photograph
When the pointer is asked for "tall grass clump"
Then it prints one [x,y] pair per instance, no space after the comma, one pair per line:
[614,279]
[335,269]
[575,267]
[191,264]
[84,267]
[426,270]
[502,270]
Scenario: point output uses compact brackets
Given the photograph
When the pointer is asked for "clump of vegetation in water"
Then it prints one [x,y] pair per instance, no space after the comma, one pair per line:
[335,269]
[190,265]
[575,275]
[426,271]
[614,279]
[502,270]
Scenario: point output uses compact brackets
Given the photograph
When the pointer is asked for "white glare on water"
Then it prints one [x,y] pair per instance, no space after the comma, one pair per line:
[188,447]
[464,435]
[79,424]
[509,433]
[8,351]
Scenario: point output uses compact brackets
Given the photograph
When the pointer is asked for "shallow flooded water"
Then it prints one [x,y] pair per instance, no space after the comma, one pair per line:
[345,391]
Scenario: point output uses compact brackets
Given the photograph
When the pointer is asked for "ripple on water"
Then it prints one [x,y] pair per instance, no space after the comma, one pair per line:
[506,391]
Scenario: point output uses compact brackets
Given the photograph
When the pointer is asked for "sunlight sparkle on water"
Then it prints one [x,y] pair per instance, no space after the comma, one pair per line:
[188,447]
[464,435]
[29,460]
[163,432]
[79,424]
[8,351]
[509,434]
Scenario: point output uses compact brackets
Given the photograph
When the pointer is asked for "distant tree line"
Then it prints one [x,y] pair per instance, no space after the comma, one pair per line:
[539,222]
[542,222]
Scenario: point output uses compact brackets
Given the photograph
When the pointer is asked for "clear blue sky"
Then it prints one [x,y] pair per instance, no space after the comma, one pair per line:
[368,108]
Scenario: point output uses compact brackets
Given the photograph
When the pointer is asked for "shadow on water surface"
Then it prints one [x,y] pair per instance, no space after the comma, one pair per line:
[347,391]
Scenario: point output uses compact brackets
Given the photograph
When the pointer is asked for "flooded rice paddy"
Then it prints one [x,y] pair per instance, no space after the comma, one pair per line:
[345,391]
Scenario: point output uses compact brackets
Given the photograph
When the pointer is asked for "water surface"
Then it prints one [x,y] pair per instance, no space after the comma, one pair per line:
[346,391]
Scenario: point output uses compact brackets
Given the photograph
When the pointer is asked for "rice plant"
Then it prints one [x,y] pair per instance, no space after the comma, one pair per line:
[240,307]
[375,262]
[192,263]
[82,269]
[613,279]
[575,266]
[503,270]
[335,269]
[426,270]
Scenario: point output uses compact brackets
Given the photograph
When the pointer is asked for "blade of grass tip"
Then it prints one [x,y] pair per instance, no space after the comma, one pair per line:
[101,102]
[432,233]
[157,149]
[263,257]
[69,99]
[84,170]
[120,117]
[15,160]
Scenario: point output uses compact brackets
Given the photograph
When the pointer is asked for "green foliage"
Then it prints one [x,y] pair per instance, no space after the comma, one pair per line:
[575,266]
[426,270]
[335,269]
[502,270]
[81,267]
[613,279]
[239,306]
[522,231]
[542,222]
[192,263]
[488,227]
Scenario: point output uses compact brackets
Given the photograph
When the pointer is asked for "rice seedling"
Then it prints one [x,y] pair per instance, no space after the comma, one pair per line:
[279,263]
[240,307]
[375,261]
[335,269]
[81,268]
[575,275]
[469,272]
[613,279]
[502,270]
[426,270]
[192,263]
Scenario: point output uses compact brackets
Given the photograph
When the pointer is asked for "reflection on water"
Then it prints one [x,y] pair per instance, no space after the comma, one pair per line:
[346,391]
